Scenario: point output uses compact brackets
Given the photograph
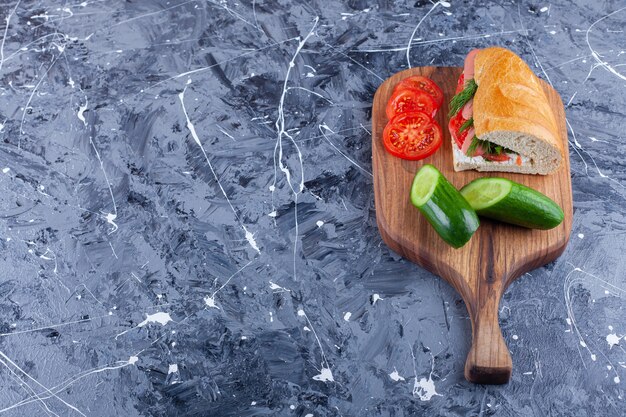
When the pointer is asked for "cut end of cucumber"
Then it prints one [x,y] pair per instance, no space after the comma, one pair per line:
[424,185]
[485,192]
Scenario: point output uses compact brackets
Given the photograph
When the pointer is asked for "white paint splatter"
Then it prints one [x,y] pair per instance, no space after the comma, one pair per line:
[273,214]
[110,217]
[249,235]
[612,339]
[278,147]
[5,170]
[210,301]
[250,239]
[309,415]
[571,321]
[376,297]
[277,288]
[616,379]
[581,235]
[323,128]
[544,9]
[347,316]
[306,329]
[225,132]
[408,47]
[325,375]
[6,361]
[68,382]
[596,55]
[396,376]
[515,337]
[424,388]
[253,403]
[271,317]
[173,368]
[81,112]
[319,223]
[6,29]
[160,317]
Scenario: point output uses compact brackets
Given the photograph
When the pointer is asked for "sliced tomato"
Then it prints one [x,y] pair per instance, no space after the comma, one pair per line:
[425,84]
[496,158]
[405,101]
[460,85]
[454,125]
[412,136]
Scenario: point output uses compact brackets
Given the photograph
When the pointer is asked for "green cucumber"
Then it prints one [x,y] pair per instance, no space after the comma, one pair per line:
[443,206]
[511,202]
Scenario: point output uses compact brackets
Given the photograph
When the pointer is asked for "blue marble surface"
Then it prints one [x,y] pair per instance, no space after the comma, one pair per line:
[187,220]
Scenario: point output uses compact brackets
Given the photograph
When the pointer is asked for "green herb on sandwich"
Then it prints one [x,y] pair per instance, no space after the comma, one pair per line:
[488,147]
[463,97]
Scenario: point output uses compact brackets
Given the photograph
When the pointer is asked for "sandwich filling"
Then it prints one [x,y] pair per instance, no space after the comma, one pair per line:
[462,123]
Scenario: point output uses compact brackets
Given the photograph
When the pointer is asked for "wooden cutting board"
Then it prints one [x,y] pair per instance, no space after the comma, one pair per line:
[496,254]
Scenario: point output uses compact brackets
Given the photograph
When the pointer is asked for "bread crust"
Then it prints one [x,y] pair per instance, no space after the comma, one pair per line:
[510,98]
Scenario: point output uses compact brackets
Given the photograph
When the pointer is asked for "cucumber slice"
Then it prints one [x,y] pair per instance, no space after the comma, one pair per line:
[511,202]
[443,206]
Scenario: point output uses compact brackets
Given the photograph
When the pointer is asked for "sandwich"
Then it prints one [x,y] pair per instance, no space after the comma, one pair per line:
[501,119]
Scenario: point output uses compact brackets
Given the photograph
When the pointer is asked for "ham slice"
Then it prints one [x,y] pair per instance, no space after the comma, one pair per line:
[468,110]
[468,68]
[468,141]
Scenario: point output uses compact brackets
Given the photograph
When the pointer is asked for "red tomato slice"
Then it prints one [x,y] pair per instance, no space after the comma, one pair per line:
[405,101]
[412,136]
[497,158]
[454,125]
[460,85]
[425,84]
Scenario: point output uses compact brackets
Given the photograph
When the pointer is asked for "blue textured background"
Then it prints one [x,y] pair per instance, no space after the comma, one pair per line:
[187,221]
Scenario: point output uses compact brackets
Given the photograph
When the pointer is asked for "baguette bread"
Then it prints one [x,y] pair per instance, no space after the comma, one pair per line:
[512,110]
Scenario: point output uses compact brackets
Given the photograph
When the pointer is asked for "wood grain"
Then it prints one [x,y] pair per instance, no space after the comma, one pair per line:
[497,253]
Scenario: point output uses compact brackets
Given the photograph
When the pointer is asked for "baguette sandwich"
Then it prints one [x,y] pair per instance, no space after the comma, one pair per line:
[501,119]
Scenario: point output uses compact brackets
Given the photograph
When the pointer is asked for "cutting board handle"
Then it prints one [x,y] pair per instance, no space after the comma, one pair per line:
[489,360]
